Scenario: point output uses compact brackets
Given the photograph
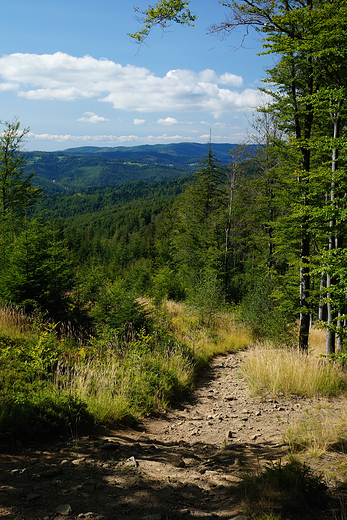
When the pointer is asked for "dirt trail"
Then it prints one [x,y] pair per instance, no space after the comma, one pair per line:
[184,465]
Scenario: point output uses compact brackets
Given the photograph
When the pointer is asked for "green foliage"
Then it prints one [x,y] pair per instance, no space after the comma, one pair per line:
[117,308]
[38,270]
[163,13]
[16,191]
[41,415]
[260,311]
[338,357]
[206,296]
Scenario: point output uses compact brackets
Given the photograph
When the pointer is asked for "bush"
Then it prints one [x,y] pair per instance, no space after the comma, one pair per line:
[264,316]
[290,488]
[24,418]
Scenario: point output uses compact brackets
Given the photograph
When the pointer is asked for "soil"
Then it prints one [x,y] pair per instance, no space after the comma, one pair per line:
[185,464]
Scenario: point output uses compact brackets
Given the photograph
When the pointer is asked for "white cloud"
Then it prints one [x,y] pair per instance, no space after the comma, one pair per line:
[169,121]
[90,117]
[63,77]
[8,86]
[67,137]
[139,121]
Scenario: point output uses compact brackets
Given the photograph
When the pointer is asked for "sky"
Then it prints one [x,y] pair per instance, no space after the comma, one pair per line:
[70,72]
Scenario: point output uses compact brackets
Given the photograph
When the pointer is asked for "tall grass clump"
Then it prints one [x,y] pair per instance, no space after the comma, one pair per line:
[125,384]
[291,372]
[320,432]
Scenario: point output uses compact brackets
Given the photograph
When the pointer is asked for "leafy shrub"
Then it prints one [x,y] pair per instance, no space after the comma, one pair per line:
[265,317]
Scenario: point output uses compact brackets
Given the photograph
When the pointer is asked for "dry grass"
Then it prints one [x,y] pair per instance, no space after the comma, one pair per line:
[324,429]
[117,392]
[223,335]
[290,372]
[14,322]
[316,343]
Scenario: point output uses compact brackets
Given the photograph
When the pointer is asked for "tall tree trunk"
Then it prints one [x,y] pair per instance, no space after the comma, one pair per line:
[333,240]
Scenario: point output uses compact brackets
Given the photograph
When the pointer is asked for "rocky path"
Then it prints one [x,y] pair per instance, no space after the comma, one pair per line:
[186,464]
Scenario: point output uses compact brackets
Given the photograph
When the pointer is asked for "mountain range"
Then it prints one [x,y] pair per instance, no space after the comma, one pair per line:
[79,168]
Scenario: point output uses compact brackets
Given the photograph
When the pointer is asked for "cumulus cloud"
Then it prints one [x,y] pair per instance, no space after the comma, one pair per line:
[90,117]
[60,138]
[63,77]
[169,121]
[139,121]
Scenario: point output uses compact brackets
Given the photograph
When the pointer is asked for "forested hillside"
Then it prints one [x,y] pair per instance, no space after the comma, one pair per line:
[78,168]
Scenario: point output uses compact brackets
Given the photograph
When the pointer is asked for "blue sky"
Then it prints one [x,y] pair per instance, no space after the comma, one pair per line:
[69,71]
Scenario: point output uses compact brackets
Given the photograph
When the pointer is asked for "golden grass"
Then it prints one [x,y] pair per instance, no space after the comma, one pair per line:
[316,342]
[290,372]
[222,336]
[117,390]
[324,429]
[14,322]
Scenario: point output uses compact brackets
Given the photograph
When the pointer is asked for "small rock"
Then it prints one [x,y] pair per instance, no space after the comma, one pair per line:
[17,491]
[64,509]
[133,462]
[89,485]
[109,446]
[229,434]
[178,463]
[51,472]
[144,438]
[77,462]
[32,496]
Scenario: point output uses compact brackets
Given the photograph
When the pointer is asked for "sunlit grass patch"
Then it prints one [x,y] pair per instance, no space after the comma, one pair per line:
[14,323]
[222,336]
[316,342]
[324,429]
[125,390]
[291,372]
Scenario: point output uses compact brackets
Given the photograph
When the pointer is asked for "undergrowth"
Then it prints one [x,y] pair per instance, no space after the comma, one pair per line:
[52,384]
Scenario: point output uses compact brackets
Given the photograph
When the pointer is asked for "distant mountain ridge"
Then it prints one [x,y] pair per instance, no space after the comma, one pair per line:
[176,153]
[91,166]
